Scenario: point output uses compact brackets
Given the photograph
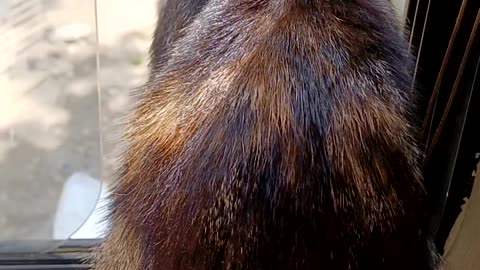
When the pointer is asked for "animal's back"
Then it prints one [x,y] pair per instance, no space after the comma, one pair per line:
[272,135]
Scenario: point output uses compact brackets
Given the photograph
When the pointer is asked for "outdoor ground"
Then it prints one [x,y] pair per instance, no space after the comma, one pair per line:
[49,113]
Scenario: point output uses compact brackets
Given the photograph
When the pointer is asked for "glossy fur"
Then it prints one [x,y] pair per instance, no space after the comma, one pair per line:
[273,134]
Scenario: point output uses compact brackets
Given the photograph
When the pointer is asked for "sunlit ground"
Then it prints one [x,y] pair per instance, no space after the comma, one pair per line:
[49,114]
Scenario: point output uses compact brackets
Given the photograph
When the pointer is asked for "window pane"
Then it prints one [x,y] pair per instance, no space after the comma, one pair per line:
[52,111]
[48,117]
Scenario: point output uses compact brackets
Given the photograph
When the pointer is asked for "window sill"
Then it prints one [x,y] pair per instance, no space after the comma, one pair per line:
[24,255]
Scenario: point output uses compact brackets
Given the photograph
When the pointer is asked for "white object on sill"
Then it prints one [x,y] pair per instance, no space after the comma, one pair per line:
[80,210]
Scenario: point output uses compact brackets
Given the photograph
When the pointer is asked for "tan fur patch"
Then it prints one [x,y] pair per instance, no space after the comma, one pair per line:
[120,251]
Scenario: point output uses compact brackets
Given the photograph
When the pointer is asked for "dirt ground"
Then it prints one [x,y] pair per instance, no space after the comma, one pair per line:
[49,103]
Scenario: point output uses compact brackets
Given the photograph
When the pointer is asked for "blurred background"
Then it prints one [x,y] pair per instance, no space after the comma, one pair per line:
[49,103]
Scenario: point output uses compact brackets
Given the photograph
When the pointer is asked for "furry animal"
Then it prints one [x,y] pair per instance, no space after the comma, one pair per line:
[272,134]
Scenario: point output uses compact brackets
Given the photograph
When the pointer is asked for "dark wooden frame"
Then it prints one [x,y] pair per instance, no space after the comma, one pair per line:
[451,160]
[67,255]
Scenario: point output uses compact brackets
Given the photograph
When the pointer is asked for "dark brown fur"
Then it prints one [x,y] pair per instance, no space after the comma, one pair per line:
[273,134]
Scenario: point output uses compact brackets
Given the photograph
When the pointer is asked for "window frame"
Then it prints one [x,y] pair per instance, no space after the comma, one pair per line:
[70,254]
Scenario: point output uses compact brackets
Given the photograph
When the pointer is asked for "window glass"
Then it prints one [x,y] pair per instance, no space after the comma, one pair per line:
[48,117]
[52,111]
